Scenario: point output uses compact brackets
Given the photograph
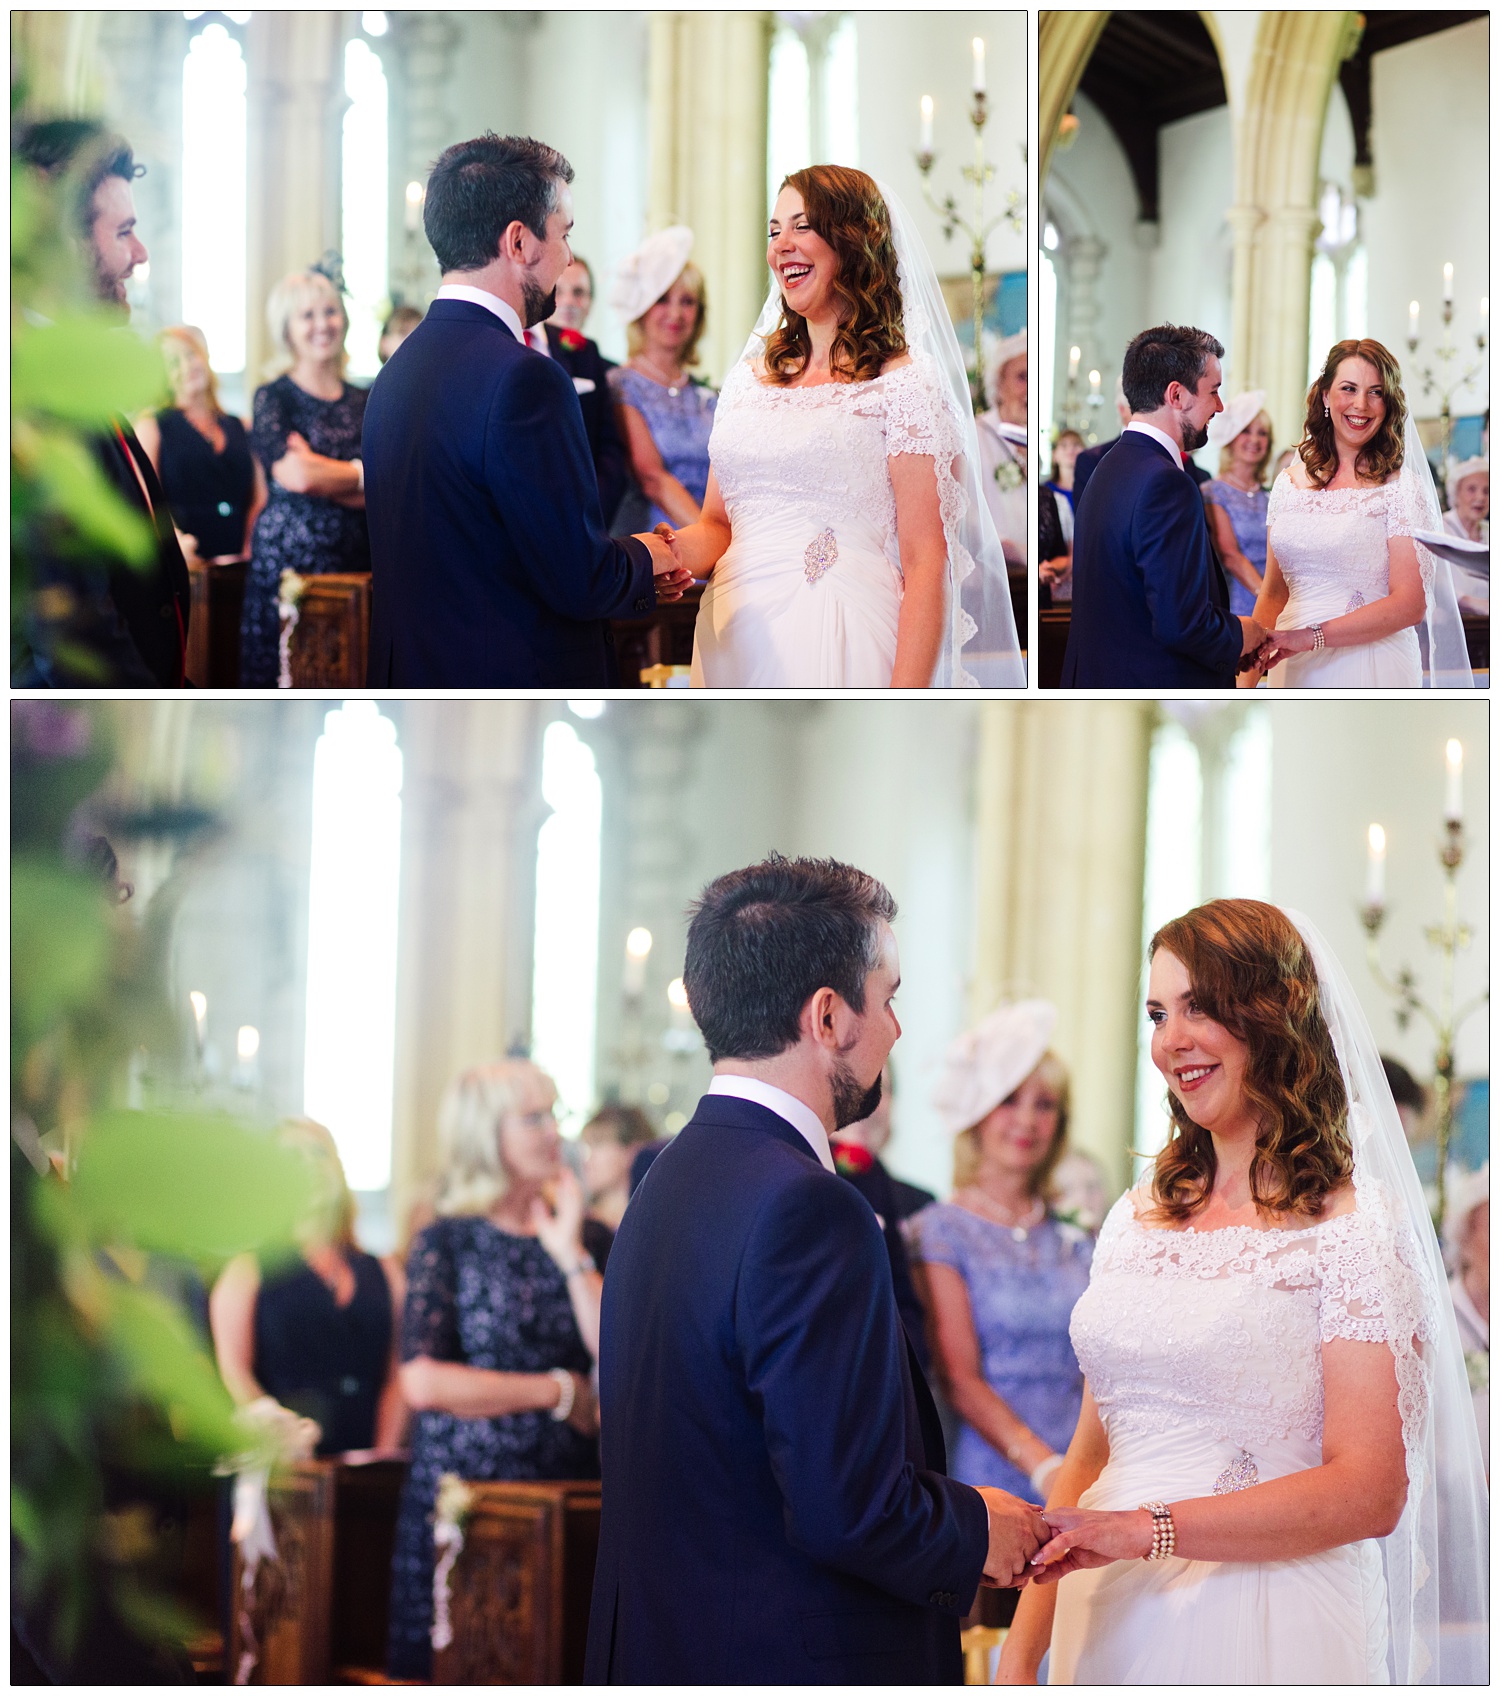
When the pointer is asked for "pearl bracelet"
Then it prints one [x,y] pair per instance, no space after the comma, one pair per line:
[1163,1531]
[567,1391]
[1318,642]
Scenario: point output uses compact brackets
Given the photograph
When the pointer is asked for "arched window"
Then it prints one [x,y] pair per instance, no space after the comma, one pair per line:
[366,193]
[788,126]
[213,185]
[353,903]
[813,104]
[565,968]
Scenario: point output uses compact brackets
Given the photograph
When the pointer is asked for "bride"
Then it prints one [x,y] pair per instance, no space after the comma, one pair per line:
[844,532]
[1275,1476]
[1346,583]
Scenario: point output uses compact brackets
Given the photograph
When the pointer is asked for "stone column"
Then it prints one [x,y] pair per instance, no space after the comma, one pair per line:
[1061,844]
[471,811]
[708,85]
[426,43]
[296,105]
[1064,42]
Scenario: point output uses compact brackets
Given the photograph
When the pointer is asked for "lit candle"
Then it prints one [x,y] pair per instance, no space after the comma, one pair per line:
[678,1001]
[1453,802]
[978,65]
[1412,313]
[1375,870]
[637,951]
[1448,284]
[1074,355]
[246,1047]
[927,123]
[1094,382]
[200,1017]
[415,195]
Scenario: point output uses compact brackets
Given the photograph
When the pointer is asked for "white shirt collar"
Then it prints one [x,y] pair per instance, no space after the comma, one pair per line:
[796,1113]
[1158,436]
[502,309]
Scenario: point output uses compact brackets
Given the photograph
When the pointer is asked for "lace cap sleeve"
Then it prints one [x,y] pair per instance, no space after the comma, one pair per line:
[1371,1291]
[1278,496]
[916,420]
[429,1323]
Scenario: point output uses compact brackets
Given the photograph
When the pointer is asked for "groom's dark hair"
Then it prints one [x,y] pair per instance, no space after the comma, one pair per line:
[478,188]
[1161,356]
[762,941]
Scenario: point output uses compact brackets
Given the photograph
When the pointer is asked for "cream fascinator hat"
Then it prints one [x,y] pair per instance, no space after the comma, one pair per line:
[1464,468]
[1239,415]
[649,272]
[986,1064]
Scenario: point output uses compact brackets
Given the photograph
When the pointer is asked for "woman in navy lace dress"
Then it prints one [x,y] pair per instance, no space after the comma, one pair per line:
[501,1327]
[665,417]
[306,435]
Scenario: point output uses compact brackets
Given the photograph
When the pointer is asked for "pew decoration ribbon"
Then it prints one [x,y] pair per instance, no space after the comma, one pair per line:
[288,595]
[274,1436]
[455,1501]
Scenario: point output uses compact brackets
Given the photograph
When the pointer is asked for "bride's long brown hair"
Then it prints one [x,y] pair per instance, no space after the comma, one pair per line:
[845,207]
[1252,973]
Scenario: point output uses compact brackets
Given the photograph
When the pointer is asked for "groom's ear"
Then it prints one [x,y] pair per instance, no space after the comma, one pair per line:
[819,1016]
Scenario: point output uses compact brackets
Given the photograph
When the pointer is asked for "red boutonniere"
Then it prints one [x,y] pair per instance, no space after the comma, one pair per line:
[572,340]
[850,1159]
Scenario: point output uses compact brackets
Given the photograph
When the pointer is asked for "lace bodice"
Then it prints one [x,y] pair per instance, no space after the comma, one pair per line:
[1333,544]
[824,449]
[1220,1331]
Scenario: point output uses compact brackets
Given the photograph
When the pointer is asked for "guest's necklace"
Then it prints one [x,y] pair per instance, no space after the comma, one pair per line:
[674,384]
[1020,1226]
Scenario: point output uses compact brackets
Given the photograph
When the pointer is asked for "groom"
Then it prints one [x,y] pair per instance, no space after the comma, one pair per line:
[491,564]
[1150,602]
[775,1504]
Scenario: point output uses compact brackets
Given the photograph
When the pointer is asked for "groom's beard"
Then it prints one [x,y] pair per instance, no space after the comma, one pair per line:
[539,306]
[851,1100]
[1193,438]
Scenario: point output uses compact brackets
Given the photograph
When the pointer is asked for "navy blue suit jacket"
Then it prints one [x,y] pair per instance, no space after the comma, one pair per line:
[775,1509]
[1150,603]
[491,564]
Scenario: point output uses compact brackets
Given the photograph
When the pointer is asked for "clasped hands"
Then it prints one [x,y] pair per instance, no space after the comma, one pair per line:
[1267,648]
[1045,1544]
[672,578]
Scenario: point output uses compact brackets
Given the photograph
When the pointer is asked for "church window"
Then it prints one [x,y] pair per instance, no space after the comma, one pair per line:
[565,957]
[1046,315]
[788,126]
[813,97]
[213,185]
[366,192]
[353,903]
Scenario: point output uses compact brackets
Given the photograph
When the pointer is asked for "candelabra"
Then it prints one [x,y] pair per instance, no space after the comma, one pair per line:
[1445,1018]
[1442,376]
[978,230]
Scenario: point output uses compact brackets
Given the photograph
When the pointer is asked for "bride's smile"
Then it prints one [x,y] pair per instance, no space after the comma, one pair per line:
[1203,1063]
[803,262]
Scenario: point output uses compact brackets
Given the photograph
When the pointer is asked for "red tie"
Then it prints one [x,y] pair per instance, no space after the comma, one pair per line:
[536,338]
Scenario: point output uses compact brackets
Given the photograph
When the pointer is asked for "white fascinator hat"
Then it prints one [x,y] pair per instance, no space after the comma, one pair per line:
[985,1065]
[1462,468]
[646,275]
[1238,415]
[998,353]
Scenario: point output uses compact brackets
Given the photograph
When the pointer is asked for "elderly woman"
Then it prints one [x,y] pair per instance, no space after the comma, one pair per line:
[1468,517]
[1466,1227]
[213,483]
[1237,499]
[665,416]
[502,1323]
[318,1335]
[306,435]
[1002,444]
[1002,1272]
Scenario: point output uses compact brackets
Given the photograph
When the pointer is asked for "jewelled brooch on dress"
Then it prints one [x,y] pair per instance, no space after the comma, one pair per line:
[821,553]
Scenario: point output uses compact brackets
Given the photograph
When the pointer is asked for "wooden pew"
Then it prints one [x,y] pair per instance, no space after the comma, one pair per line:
[1477,636]
[318,1612]
[521,1586]
[329,644]
[663,638]
[218,597]
[1052,643]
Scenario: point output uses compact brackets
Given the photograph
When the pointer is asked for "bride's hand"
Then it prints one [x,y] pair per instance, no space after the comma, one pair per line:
[1084,1538]
[1285,643]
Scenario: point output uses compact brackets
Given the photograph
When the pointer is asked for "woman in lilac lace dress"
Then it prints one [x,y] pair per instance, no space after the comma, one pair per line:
[501,1327]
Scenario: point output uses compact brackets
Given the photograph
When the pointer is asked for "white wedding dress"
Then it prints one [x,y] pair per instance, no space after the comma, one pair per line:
[1332,547]
[1202,1350]
[808,593]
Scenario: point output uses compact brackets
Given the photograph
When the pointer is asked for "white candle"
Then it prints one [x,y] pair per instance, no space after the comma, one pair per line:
[415,195]
[1074,355]
[1094,381]
[200,1017]
[927,123]
[1448,284]
[978,65]
[1375,869]
[637,952]
[1412,313]
[677,1000]
[1453,800]
[247,1042]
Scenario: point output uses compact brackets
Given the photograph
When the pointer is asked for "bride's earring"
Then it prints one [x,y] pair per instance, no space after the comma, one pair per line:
[1327,410]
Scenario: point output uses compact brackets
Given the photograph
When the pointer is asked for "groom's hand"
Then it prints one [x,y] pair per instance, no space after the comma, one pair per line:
[1252,636]
[670,579]
[1017,1531]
